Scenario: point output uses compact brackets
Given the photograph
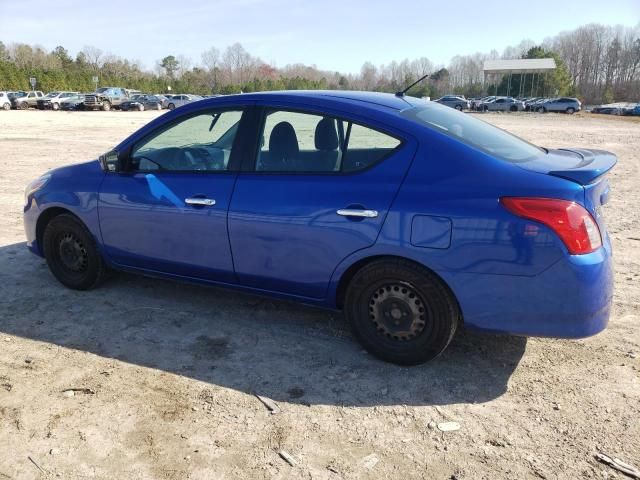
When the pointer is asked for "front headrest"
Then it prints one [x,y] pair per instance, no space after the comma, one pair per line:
[326,137]
[283,142]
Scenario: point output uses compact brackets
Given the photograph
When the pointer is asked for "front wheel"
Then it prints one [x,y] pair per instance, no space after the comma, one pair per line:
[171,106]
[401,312]
[141,108]
[55,106]
[24,106]
[6,106]
[106,106]
[71,253]
[571,110]
[459,108]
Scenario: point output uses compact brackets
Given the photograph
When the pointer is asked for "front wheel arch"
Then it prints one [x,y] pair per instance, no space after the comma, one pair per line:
[48,215]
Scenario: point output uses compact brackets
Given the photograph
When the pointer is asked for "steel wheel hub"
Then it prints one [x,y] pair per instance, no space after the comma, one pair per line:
[73,254]
[397,312]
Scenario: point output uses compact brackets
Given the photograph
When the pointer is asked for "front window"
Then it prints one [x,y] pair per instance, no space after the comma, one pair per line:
[201,142]
[474,132]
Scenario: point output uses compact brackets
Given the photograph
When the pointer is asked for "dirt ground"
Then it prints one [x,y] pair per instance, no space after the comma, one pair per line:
[167,373]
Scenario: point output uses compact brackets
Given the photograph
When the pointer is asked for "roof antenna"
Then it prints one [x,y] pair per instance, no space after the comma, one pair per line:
[401,93]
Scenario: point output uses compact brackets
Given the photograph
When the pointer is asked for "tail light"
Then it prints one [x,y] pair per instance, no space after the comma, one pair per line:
[570,221]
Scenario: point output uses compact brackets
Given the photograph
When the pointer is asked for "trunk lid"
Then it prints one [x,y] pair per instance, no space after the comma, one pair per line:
[576,164]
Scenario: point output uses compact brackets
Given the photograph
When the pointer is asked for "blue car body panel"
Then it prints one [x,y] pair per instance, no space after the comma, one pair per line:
[278,234]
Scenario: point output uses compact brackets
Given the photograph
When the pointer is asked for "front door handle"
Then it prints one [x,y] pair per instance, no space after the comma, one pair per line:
[205,202]
[353,212]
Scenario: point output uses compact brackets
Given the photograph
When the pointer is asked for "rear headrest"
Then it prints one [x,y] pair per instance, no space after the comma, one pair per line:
[326,137]
[283,142]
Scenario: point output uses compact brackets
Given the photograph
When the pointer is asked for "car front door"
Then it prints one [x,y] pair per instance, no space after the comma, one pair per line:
[318,190]
[167,211]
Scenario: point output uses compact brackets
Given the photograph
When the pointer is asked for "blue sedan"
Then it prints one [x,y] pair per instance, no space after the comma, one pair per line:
[411,217]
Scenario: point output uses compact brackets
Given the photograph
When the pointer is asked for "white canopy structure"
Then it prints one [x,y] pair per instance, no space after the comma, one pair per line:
[522,67]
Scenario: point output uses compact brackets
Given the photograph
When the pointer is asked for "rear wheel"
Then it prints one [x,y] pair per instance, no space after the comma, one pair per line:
[401,312]
[71,253]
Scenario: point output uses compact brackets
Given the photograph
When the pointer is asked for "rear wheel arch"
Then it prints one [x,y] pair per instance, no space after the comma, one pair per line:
[350,272]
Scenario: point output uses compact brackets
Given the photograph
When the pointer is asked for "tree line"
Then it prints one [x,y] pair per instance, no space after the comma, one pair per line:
[598,63]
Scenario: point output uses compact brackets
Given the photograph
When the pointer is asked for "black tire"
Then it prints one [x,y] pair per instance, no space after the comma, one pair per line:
[171,106]
[485,108]
[571,110]
[71,253]
[459,108]
[513,108]
[6,106]
[106,106]
[141,108]
[24,106]
[158,107]
[55,106]
[401,312]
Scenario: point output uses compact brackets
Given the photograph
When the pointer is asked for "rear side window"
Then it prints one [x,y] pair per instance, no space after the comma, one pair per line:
[296,142]
[474,132]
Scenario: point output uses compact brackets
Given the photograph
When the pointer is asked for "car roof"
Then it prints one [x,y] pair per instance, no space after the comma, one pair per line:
[388,100]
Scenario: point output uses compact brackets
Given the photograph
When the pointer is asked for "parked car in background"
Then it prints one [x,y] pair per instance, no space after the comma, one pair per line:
[52,100]
[607,110]
[105,98]
[30,99]
[477,104]
[75,102]
[455,101]
[5,102]
[503,104]
[182,99]
[413,218]
[562,104]
[142,102]
[164,99]
[635,111]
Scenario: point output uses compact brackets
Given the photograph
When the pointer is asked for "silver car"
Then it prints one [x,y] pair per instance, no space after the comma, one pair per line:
[562,104]
[455,101]
[503,104]
[181,99]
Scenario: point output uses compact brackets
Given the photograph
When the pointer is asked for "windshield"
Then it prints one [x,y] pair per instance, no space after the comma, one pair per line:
[102,89]
[52,94]
[474,132]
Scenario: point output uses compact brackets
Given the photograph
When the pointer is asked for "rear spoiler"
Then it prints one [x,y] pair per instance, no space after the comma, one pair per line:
[592,164]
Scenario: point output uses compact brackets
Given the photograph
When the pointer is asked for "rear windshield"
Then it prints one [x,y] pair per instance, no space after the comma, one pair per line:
[474,132]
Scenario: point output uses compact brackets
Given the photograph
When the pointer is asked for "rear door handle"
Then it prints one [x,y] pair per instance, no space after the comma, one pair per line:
[352,212]
[206,202]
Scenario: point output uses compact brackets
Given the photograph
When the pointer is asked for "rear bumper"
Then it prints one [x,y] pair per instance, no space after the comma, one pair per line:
[571,299]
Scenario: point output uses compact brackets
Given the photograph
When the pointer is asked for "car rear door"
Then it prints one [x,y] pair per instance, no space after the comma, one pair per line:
[168,211]
[318,190]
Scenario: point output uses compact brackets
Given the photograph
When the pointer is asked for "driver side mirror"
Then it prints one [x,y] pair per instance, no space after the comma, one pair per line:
[110,161]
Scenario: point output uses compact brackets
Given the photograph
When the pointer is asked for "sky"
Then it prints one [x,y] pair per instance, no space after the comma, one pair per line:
[331,34]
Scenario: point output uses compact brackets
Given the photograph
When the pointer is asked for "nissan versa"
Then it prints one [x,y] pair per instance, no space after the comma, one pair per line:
[412,217]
